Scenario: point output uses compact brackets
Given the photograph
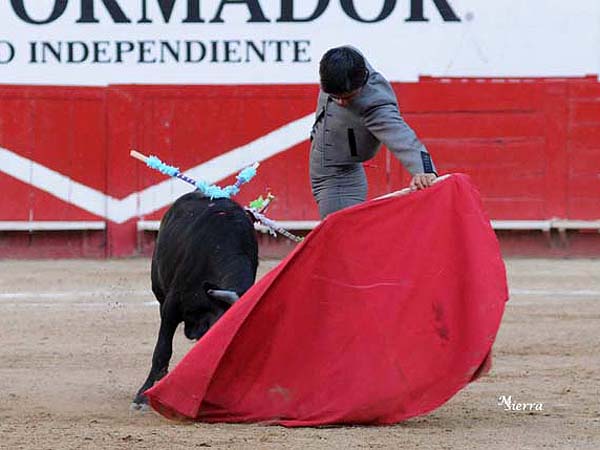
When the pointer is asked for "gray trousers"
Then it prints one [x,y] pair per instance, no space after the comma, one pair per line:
[336,187]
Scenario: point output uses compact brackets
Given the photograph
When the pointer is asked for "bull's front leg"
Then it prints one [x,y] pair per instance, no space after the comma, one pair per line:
[160,358]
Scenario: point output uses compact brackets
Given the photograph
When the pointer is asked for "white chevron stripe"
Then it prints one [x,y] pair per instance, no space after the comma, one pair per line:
[48,180]
[161,194]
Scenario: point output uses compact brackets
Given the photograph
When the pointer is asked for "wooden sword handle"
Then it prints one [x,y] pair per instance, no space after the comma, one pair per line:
[137,155]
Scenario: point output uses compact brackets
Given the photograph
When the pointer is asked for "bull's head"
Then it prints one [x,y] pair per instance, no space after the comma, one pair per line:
[204,309]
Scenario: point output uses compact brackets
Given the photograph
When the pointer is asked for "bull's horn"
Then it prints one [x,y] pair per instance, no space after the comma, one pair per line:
[229,297]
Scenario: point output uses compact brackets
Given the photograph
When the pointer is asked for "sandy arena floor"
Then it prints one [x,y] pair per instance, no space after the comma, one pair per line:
[77,336]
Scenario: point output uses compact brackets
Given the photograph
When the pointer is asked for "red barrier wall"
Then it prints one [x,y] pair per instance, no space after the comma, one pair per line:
[531,145]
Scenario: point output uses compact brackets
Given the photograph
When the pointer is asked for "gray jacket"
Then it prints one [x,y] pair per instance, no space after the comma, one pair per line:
[354,133]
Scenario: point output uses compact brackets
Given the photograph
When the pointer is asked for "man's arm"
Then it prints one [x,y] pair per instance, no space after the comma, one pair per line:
[387,125]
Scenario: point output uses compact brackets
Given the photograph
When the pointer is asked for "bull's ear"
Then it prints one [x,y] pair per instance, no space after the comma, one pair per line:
[222,295]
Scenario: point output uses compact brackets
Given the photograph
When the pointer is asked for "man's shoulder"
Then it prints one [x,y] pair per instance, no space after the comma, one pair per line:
[376,92]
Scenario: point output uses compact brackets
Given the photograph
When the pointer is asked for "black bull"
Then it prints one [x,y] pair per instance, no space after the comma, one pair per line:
[206,255]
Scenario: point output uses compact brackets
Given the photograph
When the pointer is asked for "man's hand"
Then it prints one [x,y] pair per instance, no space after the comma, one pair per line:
[422,181]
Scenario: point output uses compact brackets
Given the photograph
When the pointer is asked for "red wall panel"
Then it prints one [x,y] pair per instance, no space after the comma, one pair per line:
[62,129]
[582,150]
[15,134]
[531,145]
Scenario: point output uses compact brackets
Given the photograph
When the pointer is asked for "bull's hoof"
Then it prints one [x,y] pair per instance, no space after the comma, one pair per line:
[141,407]
[140,403]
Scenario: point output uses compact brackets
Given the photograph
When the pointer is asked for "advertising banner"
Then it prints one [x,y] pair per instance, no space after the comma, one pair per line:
[101,42]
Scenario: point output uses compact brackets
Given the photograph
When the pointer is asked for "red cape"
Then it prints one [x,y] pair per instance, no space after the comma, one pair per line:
[384,312]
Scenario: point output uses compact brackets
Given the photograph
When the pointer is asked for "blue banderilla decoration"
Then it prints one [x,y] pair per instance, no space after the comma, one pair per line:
[214,191]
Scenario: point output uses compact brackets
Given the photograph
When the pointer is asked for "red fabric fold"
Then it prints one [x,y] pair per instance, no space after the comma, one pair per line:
[384,312]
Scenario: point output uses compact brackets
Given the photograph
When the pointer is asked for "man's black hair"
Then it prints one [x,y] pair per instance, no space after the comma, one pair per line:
[342,70]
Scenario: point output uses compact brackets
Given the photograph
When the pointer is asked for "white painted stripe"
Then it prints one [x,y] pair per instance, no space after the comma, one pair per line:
[48,180]
[161,194]
[72,294]
[49,225]
[125,293]
[67,297]
[75,305]
[576,224]
[556,292]
[543,225]
[148,225]
[106,304]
